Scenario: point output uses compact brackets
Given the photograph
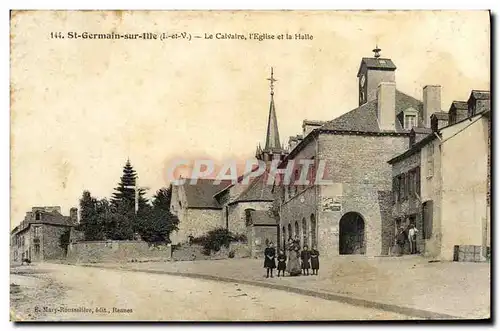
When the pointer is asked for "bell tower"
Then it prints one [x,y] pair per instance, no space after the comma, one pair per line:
[373,71]
[273,148]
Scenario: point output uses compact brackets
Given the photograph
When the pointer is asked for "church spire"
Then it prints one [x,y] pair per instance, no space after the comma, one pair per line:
[272,135]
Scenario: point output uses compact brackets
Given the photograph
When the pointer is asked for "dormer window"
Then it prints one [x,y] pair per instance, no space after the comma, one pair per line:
[38,216]
[410,119]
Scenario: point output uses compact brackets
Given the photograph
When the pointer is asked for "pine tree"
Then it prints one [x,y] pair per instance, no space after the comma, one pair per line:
[124,195]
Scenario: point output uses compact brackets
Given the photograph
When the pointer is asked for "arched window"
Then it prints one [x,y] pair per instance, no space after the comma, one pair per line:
[248,216]
[296,234]
[290,235]
[38,216]
[313,231]
[305,240]
[284,238]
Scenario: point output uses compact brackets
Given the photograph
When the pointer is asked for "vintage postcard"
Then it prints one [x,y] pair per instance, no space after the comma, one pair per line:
[250,165]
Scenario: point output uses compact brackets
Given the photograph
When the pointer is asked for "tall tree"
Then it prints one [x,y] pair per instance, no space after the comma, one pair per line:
[124,195]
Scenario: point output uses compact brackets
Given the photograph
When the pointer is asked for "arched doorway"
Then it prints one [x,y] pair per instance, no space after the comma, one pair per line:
[304,233]
[296,234]
[352,234]
[313,231]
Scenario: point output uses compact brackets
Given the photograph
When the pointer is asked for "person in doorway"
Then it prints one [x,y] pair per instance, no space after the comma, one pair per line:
[269,256]
[314,260]
[412,238]
[400,241]
[305,256]
[281,262]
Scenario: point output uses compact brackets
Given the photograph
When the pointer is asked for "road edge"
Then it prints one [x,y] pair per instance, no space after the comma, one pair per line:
[412,312]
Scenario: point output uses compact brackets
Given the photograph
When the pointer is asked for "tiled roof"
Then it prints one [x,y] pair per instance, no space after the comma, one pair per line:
[262,217]
[258,190]
[202,194]
[364,118]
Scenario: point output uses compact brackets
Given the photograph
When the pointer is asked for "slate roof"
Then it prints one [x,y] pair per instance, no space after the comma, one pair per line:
[258,190]
[54,218]
[46,217]
[441,115]
[459,105]
[480,95]
[202,194]
[364,118]
[420,130]
[262,217]
[378,63]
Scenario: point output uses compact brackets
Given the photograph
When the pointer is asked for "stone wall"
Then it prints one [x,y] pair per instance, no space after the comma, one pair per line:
[186,252]
[50,244]
[196,222]
[237,215]
[116,251]
[357,165]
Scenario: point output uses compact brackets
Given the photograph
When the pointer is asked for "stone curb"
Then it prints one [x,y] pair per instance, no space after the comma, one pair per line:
[413,312]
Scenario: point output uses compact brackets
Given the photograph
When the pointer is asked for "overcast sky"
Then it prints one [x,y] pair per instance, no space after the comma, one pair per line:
[81,107]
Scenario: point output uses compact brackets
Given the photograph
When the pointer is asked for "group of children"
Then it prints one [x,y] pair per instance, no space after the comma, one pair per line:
[309,259]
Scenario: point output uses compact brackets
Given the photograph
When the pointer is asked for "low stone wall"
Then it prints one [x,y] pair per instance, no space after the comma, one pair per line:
[116,251]
[468,253]
[192,252]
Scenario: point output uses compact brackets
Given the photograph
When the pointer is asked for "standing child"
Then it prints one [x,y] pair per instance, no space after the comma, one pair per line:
[281,262]
[314,260]
[305,256]
[269,256]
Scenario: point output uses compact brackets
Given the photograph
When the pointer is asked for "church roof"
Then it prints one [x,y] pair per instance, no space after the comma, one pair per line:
[202,194]
[257,190]
[364,118]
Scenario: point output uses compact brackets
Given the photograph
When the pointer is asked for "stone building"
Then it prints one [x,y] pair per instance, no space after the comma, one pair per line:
[38,236]
[352,213]
[197,210]
[442,182]
[241,207]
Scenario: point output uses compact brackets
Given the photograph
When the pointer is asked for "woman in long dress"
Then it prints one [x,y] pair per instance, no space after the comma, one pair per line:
[293,265]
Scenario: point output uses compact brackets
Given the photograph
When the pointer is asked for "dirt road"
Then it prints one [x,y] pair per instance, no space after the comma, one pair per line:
[62,292]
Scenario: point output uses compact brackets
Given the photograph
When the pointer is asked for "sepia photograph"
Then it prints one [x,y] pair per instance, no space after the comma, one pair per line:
[250,165]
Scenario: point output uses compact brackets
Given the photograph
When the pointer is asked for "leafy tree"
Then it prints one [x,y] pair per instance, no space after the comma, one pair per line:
[156,222]
[118,221]
[89,217]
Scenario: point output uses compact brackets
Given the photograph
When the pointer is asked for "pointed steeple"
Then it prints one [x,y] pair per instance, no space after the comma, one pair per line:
[272,135]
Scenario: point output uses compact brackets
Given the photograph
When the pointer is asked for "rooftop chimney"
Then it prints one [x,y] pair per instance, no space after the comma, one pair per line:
[432,102]
[386,105]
